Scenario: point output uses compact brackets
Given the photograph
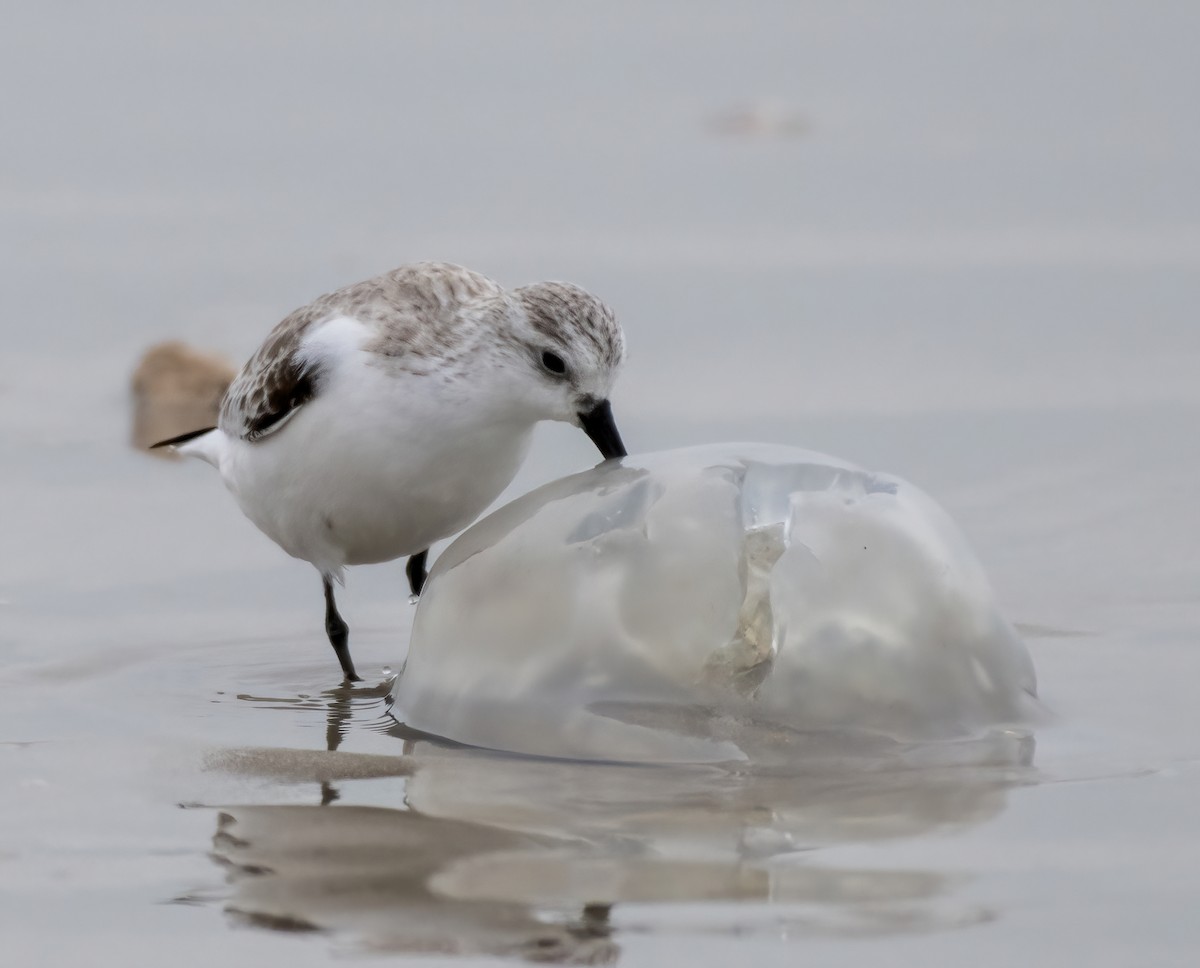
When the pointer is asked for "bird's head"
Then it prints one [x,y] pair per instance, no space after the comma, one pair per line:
[573,346]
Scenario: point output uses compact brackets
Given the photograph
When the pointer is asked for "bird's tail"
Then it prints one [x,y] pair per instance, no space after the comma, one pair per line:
[205,444]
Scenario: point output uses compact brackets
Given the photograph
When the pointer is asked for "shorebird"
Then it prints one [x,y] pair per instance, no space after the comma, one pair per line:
[389,414]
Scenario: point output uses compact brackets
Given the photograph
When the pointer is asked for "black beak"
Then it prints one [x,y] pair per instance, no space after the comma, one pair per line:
[599,425]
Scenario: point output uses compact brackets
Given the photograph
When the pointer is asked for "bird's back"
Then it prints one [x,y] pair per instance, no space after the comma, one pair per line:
[414,314]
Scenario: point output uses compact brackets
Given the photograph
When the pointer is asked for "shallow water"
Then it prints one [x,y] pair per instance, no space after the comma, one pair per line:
[980,278]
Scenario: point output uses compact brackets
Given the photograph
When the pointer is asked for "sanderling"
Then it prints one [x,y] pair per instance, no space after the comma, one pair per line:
[387,415]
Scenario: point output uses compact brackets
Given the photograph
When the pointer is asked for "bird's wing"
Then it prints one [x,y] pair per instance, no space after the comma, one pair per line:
[275,382]
[408,309]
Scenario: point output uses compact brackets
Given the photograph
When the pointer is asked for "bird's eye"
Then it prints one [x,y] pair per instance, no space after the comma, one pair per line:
[554,363]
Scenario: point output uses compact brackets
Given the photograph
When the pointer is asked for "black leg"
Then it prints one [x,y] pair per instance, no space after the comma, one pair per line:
[416,571]
[338,632]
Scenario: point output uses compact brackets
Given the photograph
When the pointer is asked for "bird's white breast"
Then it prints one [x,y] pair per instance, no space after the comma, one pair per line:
[380,464]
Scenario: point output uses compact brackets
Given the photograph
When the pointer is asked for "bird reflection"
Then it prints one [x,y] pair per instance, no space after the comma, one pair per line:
[339,716]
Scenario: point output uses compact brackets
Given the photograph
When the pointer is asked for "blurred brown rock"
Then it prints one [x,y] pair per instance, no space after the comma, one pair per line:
[176,389]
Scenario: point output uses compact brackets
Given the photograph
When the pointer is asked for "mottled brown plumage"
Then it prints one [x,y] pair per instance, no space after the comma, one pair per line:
[415,311]
[548,304]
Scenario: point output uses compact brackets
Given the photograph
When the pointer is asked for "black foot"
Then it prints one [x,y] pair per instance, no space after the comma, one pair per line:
[338,632]
[416,571]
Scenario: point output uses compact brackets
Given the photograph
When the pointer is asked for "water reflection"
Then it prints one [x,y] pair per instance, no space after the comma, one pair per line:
[369,871]
[346,706]
[550,860]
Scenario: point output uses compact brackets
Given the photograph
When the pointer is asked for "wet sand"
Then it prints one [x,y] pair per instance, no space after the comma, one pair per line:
[986,284]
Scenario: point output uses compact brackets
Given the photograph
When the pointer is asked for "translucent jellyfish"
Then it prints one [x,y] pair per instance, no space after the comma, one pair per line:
[704,604]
